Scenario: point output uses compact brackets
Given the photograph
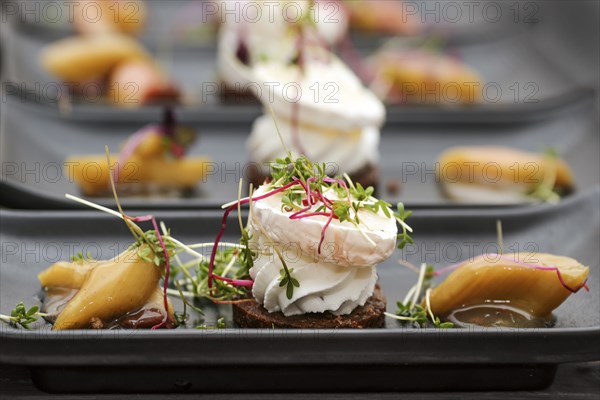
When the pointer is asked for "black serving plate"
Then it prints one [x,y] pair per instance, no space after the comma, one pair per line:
[35,141]
[520,82]
[395,358]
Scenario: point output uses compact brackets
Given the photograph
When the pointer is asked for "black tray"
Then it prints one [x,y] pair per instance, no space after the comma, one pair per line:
[233,359]
[33,138]
[530,83]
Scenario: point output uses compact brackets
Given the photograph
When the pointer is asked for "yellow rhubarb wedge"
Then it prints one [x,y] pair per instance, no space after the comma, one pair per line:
[111,290]
[534,283]
[70,275]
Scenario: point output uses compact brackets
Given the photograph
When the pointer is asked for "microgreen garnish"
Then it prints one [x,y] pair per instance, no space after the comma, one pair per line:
[215,246]
[404,237]
[157,246]
[246,255]
[220,325]
[311,199]
[288,281]
[80,257]
[410,311]
[499,236]
[181,317]
[227,265]
[436,320]
[22,316]
[545,190]
[150,248]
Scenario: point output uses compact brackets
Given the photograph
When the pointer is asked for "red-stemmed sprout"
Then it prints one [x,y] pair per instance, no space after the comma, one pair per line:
[228,210]
[159,237]
[314,195]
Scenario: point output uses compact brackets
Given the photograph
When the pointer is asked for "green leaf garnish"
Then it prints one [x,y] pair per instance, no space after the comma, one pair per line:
[22,316]
[410,310]
[545,190]
[80,257]
[220,325]
[404,237]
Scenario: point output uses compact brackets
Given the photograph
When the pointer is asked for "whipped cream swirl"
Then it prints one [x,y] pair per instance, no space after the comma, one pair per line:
[338,279]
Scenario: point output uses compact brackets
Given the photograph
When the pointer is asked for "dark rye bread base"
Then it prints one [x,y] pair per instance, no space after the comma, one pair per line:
[366,176]
[250,314]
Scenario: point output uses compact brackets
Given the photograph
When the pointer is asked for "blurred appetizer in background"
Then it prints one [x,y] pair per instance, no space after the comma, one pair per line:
[496,174]
[321,108]
[118,64]
[89,57]
[338,125]
[152,161]
[245,43]
[111,16]
[138,82]
[423,76]
[382,16]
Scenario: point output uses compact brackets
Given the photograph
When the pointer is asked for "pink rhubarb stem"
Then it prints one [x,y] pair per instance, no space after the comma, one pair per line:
[213,254]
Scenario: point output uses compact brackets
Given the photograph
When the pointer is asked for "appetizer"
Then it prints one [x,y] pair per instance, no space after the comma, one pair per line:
[496,174]
[89,57]
[322,110]
[119,64]
[317,241]
[139,82]
[344,131]
[122,292]
[424,76]
[308,254]
[517,290]
[273,35]
[151,161]
[514,290]
[105,294]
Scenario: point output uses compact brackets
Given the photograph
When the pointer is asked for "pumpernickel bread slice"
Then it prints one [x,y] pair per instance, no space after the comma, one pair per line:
[250,314]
